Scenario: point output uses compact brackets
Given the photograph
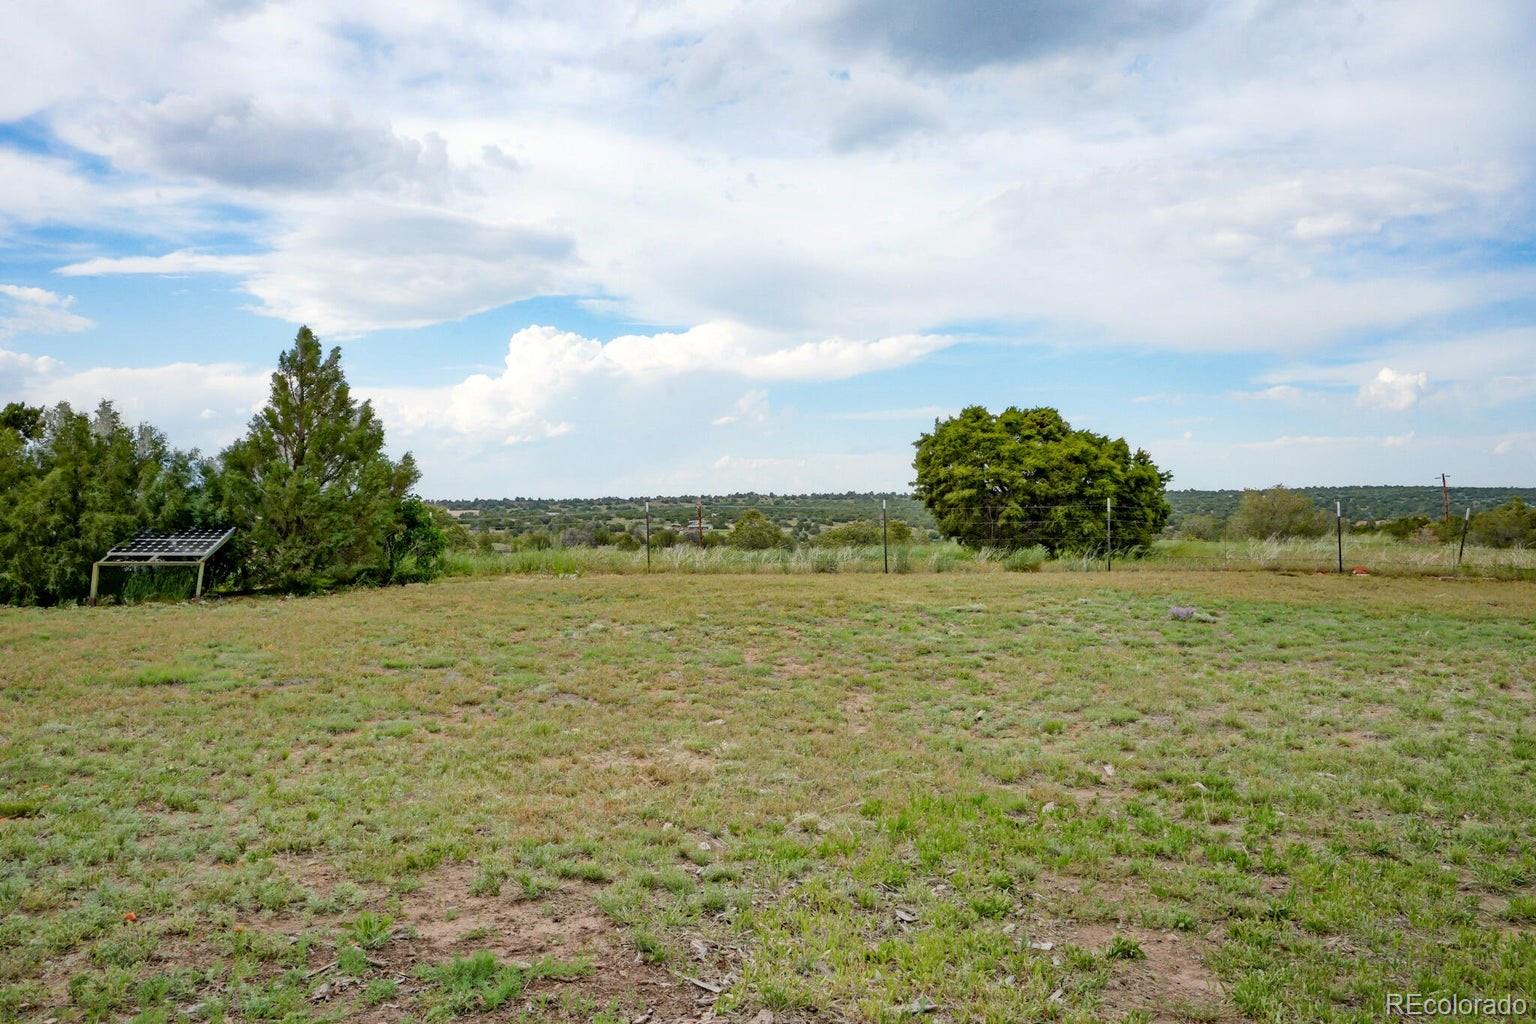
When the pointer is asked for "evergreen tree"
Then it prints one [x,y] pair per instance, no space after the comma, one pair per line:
[309,486]
[72,486]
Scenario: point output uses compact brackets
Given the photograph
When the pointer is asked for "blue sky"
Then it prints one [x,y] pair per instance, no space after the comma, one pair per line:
[613,248]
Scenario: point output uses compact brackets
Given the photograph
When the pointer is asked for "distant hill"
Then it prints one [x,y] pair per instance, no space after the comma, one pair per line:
[1364,502]
[807,512]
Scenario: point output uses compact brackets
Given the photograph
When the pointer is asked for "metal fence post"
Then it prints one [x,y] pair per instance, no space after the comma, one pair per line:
[1338,529]
[1466,521]
[885,537]
[1109,534]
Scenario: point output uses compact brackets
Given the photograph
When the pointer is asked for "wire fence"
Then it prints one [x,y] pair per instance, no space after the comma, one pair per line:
[1083,535]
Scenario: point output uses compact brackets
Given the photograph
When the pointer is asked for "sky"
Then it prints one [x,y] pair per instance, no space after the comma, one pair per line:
[605,248]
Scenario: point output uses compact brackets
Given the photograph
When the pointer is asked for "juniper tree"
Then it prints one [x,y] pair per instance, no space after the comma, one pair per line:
[309,485]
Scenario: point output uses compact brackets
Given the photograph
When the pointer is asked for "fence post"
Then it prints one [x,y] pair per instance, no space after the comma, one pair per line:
[885,537]
[1109,534]
[647,536]
[1338,529]
[1466,521]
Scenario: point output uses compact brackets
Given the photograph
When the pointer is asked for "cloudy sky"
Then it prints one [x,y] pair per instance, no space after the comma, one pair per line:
[630,248]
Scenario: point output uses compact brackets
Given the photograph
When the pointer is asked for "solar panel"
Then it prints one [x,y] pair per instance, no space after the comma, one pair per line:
[192,545]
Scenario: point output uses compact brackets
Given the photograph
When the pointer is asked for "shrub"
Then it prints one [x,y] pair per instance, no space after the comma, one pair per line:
[1512,524]
[1277,512]
[862,533]
[1202,527]
[753,532]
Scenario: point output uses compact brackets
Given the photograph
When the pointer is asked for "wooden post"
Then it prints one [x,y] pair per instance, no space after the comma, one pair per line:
[1338,529]
[95,579]
[1466,521]
[647,536]
[1109,534]
[885,537]
[1445,497]
[197,594]
[701,522]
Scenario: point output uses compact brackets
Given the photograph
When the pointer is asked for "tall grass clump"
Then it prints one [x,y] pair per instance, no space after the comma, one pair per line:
[1024,559]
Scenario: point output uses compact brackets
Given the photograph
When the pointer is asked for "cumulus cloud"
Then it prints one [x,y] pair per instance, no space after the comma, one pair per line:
[545,367]
[28,310]
[1393,390]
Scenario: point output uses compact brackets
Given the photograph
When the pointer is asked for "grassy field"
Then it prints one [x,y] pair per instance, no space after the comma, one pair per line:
[1375,554]
[967,797]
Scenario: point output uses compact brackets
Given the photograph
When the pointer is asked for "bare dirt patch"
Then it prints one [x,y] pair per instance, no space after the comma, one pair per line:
[1170,980]
[443,920]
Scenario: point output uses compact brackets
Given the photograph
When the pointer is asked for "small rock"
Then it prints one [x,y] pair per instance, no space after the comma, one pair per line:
[1042,944]
[1049,807]
[763,1017]
[905,916]
[919,1006]
[700,949]
[1109,771]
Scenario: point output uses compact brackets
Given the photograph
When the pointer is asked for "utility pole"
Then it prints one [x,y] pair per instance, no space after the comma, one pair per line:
[701,521]
[1445,495]
[647,536]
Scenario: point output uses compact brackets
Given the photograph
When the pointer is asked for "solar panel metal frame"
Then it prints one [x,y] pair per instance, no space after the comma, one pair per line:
[187,547]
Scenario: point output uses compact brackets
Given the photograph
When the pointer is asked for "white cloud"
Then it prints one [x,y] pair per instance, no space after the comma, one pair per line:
[369,265]
[1393,390]
[28,310]
[545,368]
[751,407]
[1275,393]
[823,172]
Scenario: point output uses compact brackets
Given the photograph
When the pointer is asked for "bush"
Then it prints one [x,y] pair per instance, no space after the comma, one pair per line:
[1512,524]
[1202,527]
[753,532]
[1277,512]
[862,533]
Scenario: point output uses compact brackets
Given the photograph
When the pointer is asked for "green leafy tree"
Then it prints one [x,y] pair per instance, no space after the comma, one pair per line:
[309,486]
[413,542]
[753,532]
[1277,512]
[1025,477]
[1512,524]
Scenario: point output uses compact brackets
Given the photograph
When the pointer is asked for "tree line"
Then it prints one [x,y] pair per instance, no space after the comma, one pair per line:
[1280,512]
[314,499]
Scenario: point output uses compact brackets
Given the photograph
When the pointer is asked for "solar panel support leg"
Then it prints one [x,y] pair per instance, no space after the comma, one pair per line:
[95,579]
[198,593]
